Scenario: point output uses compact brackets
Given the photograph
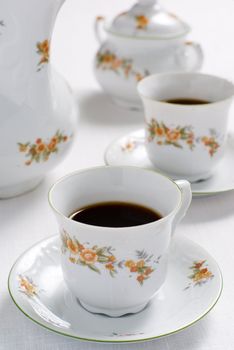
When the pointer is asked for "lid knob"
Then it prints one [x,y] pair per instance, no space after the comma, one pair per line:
[146,19]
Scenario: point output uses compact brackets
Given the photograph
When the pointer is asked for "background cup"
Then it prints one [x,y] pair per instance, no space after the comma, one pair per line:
[186,141]
[117,270]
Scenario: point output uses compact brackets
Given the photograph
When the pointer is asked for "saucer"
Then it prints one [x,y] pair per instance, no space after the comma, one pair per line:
[130,150]
[192,288]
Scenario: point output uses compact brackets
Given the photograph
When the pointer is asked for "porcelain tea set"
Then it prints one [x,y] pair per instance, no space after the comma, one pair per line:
[141,41]
[143,62]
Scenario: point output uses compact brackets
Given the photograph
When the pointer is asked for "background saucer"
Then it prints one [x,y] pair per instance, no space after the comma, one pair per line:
[36,286]
[130,150]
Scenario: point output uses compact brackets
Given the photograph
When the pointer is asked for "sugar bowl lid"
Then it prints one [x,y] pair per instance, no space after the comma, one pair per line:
[147,19]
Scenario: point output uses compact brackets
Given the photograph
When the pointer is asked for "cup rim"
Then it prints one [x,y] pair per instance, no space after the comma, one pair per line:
[77,172]
[177,74]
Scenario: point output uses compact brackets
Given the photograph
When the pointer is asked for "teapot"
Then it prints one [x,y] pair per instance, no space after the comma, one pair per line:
[141,41]
[38,115]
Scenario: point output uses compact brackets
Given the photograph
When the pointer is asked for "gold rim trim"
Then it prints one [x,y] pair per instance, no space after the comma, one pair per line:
[191,74]
[118,229]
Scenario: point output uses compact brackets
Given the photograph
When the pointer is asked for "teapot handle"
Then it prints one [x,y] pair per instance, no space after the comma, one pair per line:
[186,197]
[98,29]
[190,57]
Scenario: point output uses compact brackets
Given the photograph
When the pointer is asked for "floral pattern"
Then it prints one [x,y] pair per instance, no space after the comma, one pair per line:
[142,267]
[43,49]
[91,257]
[210,142]
[129,146]
[170,136]
[27,286]
[108,60]
[179,136]
[40,151]
[141,22]
[96,257]
[200,274]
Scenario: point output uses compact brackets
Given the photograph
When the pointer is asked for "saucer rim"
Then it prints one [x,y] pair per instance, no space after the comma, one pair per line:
[194,192]
[92,340]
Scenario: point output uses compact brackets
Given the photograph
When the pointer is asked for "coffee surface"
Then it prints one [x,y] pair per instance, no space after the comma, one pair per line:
[187,101]
[115,214]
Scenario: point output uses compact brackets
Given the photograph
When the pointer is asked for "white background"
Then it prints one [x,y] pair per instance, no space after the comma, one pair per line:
[210,221]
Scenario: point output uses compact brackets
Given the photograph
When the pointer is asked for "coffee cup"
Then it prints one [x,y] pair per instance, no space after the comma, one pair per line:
[116,271]
[186,118]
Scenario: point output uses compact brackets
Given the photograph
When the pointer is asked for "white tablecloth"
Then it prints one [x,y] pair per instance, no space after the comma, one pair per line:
[210,221]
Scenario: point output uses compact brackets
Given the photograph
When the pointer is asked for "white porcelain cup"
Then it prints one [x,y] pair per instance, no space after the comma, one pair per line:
[186,141]
[116,271]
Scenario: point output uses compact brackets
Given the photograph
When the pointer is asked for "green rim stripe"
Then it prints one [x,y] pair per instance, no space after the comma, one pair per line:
[106,341]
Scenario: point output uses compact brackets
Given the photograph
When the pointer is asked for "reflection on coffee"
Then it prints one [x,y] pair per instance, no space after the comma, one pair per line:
[187,101]
[115,214]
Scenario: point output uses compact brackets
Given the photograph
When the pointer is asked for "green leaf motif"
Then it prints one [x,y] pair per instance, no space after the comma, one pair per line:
[94,268]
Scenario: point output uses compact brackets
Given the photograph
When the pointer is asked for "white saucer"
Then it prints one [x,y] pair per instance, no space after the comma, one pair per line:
[130,150]
[36,286]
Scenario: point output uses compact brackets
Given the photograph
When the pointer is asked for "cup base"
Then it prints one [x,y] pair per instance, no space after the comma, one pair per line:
[114,312]
[191,178]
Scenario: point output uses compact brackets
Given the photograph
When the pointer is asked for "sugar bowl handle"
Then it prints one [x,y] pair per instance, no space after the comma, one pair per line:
[190,56]
[98,29]
[186,197]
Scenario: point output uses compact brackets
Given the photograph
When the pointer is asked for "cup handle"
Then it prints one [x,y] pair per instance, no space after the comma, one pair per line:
[186,197]
[190,57]
[98,29]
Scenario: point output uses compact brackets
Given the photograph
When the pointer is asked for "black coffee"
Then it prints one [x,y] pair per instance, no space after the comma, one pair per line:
[187,101]
[115,214]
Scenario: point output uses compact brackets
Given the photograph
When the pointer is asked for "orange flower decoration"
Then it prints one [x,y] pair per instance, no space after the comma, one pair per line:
[133,268]
[159,132]
[148,271]
[199,264]
[201,274]
[111,258]
[43,49]
[164,135]
[108,60]
[40,148]
[52,145]
[110,267]
[23,148]
[129,146]
[72,260]
[139,77]
[116,63]
[72,246]
[141,279]
[141,22]
[140,264]
[27,286]
[129,263]
[88,256]
[95,257]
[173,135]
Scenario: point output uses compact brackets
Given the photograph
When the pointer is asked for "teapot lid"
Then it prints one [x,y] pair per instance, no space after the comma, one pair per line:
[147,19]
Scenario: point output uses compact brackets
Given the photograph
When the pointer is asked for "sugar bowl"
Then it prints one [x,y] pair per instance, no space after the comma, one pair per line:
[143,40]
